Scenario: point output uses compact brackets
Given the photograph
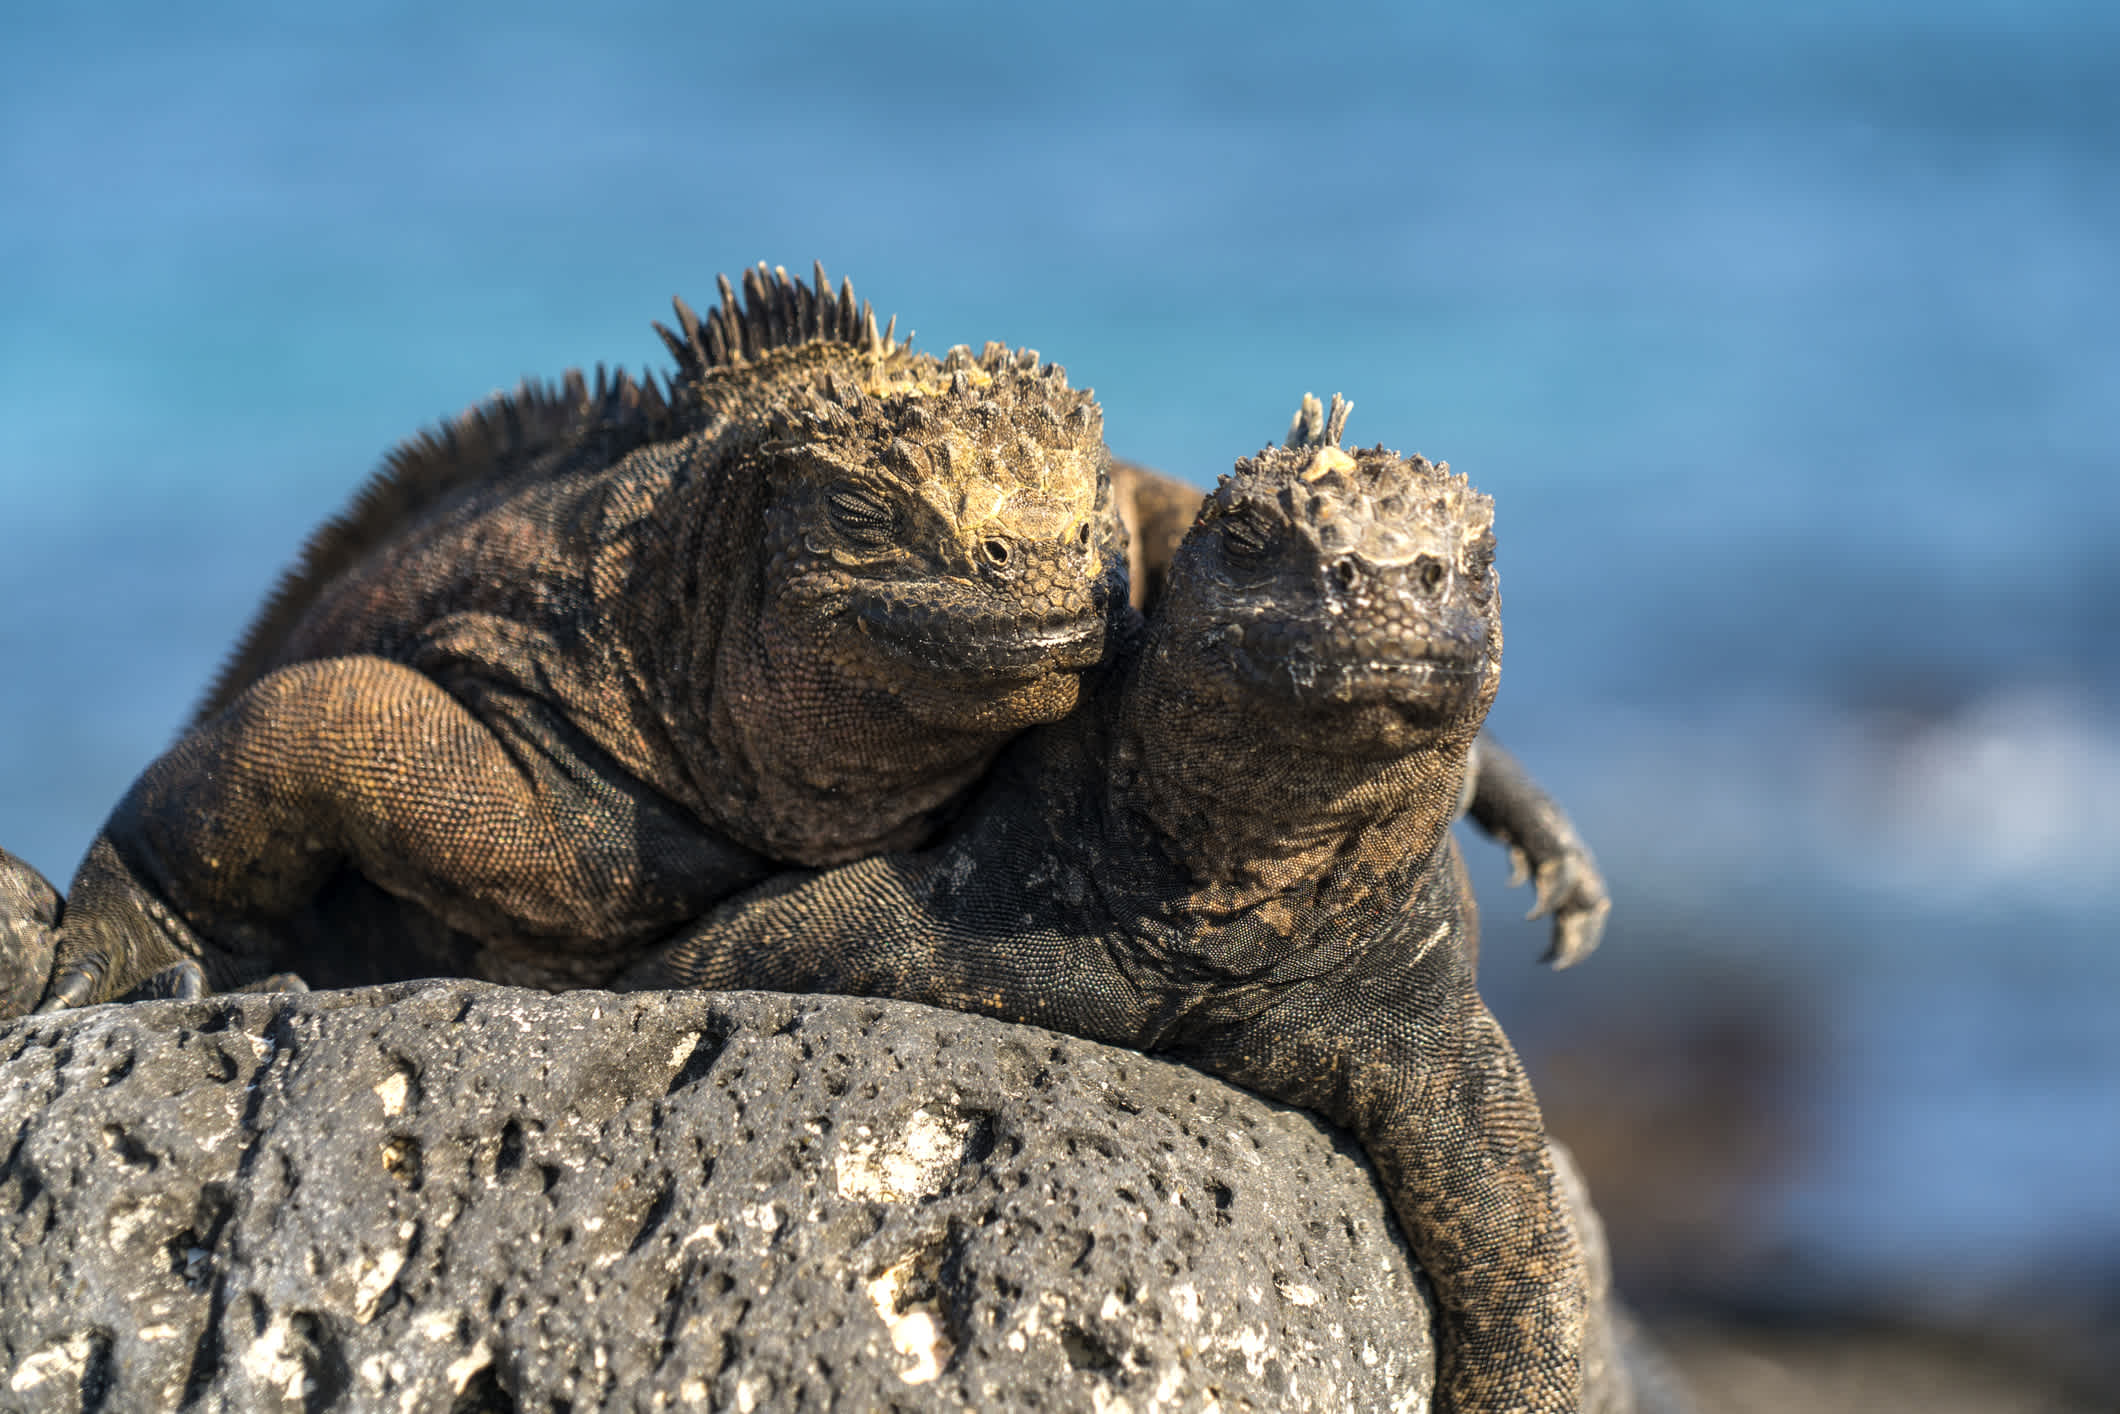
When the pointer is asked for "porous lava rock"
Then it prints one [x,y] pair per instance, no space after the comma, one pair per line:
[450,1195]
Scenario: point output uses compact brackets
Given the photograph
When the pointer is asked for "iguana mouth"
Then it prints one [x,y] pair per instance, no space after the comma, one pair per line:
[1420,674]
[1423,686]
[962,644]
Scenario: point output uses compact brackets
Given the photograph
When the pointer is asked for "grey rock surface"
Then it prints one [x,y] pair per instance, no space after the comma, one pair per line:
[453,1195]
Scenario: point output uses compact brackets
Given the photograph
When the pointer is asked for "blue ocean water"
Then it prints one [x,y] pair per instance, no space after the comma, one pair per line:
[1787,339]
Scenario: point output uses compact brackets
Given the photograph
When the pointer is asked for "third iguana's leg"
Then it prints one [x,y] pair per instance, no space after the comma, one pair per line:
[1544,848]
[353,763]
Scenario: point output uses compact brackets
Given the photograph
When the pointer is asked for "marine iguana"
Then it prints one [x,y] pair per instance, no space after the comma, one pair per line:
[1238,853]
[595,656]
[1502,798]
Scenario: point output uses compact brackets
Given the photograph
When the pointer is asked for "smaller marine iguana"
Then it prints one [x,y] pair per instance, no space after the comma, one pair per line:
[1502,798]
[1238,854]
[571,670]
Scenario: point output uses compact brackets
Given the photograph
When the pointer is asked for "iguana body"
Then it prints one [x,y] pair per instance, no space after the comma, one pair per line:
[591,659]
[1502,797]
[1238,853]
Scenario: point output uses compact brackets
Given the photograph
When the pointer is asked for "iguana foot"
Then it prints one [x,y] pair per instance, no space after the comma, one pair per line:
[1515,811]
[29,926]
[278,982]
[72,986]
[1572,889]
[180,981]
[118,939]
[183,981]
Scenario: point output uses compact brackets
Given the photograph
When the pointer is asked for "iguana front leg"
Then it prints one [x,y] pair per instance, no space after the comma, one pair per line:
[1411,1061]
[1544,847]
[891,926]
[359,763]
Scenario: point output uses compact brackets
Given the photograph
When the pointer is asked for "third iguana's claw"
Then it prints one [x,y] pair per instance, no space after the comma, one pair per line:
[1573,891]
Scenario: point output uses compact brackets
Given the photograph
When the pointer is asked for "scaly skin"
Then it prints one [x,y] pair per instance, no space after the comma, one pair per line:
[577,667]
[1238,853]
[1503,799]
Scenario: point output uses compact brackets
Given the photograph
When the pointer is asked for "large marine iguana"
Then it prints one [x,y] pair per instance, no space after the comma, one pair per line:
[1238,853]
[594,657]
[1501,797]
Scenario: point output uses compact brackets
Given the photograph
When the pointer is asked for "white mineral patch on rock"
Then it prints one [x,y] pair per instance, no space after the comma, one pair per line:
[915,1331]
[437,1326]
[1295,1293]
[470,1363]
[63,1362]
[391,1090]
[1186,1298]
[912,1164]
[1104,1401]
[125,1223]
[372,1278]
[273,1359]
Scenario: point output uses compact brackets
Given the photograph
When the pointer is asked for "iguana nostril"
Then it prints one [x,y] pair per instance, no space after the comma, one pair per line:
[1344,573]
[1428,571]
[996,552]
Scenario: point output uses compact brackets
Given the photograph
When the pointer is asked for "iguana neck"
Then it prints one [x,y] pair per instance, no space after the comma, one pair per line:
[830,768]
[1256,803]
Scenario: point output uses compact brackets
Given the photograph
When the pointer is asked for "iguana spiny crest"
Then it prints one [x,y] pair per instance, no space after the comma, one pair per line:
[942,517]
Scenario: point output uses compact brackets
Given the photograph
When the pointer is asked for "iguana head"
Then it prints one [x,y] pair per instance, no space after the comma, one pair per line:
[955,516]
[938,527]
[1351,590]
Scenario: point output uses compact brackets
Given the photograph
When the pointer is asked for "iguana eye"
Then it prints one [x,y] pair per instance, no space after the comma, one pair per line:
[861,516]
[1244,539]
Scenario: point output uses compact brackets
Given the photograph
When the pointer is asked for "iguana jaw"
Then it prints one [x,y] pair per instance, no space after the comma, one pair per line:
[1334,661]
[981,647]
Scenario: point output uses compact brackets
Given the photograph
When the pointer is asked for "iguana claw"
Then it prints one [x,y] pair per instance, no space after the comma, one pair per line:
[1544,848]
[73,986]
[180,981]
[1573,891]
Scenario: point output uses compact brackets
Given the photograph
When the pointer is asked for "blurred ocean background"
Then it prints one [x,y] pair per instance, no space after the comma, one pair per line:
[1786,337]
